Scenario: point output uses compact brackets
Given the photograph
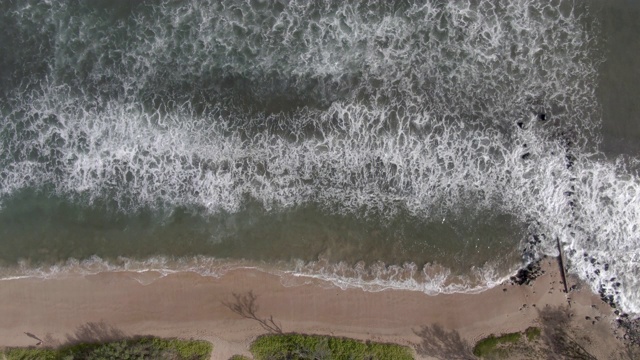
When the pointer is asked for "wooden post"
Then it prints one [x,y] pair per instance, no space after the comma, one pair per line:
[562,269]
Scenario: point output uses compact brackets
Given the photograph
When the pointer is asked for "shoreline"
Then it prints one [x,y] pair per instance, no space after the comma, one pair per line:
[189,305]
[431,279]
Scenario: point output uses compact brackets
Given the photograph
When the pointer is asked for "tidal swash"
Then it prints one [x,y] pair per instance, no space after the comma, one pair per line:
[427,145]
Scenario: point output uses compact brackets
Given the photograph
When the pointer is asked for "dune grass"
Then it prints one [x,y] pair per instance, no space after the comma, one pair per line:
[135,348]
[491,345]
[297,346]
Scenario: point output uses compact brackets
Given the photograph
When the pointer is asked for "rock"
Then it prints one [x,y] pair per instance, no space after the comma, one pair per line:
[526,275]
[570,160]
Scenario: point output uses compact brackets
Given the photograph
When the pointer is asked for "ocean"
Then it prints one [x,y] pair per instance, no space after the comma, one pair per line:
[430,145]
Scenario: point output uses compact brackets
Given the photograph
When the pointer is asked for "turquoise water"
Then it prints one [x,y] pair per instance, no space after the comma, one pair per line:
[429,145]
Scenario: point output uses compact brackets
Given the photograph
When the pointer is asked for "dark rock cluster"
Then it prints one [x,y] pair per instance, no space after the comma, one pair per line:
[526,275]
[607,293]
[530,247]
[608,297]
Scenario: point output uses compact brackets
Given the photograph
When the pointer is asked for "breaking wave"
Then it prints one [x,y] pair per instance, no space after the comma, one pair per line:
[428,107]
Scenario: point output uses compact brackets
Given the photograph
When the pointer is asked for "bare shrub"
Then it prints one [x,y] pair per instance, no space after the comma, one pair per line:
[442,344]
[95,332]
[245,305]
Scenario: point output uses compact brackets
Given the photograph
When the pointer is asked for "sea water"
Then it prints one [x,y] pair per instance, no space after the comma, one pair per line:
[427,145]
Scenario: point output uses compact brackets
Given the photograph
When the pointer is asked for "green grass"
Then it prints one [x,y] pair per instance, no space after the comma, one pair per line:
[239,357]
[141,348]
[30,354]
[532,333]
[298,347]
[491,345]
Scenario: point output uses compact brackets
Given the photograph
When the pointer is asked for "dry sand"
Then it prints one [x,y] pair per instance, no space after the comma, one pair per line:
[190,306]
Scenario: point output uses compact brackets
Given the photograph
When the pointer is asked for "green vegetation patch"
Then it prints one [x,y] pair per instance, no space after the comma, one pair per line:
[298,347]
[239,357]
[533,333]
[31,354]
[142,348]
[494,346]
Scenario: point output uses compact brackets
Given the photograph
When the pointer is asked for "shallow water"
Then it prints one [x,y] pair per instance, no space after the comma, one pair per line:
[434,145]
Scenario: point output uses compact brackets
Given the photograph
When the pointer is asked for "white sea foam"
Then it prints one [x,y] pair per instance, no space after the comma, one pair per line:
[428,107]
[431,279]
[160,266]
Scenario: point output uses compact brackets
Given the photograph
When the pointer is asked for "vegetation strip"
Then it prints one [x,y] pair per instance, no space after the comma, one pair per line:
[296,346]
[489,344]
[135,348]
[498,347]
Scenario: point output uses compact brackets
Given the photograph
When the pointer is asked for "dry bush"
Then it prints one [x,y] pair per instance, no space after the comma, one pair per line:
[245,305]
[95,332]
[442,344]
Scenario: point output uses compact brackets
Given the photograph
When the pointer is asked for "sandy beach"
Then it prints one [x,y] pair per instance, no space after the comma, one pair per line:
[188,305]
